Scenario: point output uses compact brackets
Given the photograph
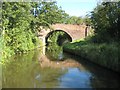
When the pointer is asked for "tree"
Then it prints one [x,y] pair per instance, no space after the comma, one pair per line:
[16,22]
[49,13]
[73,20]
[105,20]
[87,21]
[20,24]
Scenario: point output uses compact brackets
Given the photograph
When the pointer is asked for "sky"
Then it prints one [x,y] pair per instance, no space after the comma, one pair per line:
[77,7]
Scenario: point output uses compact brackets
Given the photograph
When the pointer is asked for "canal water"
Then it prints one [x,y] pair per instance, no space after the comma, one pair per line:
[55,69]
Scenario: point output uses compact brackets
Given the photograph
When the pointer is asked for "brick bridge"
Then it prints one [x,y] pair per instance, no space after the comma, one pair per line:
[74,31]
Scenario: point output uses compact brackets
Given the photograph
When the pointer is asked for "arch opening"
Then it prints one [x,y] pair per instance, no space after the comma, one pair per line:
[59,37]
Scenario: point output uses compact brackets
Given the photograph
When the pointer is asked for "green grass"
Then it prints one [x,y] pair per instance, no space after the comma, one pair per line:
[103,54]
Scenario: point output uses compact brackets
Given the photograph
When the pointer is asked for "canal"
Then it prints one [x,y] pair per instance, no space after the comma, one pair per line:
[55,69]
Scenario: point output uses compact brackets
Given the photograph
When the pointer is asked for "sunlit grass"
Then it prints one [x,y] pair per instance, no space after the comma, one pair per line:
[103,54]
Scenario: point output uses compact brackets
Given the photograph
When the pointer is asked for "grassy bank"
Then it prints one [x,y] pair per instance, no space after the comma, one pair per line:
[103,54]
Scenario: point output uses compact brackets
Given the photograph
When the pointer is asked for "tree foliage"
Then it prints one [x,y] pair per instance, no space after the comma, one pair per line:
[76,20]
[16,33]
[20,23]
[48,13]
[105,20]
[73,20]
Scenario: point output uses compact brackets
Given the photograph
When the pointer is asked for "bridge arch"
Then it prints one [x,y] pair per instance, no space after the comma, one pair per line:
[58,30]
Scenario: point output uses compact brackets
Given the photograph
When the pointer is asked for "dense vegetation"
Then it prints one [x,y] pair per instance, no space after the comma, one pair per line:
[17,36]
[76,20]
[102,54]
[20,25]
[102,48]
[105,20]
[21,22]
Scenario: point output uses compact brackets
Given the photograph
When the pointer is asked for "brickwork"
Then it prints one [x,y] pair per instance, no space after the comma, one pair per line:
[75,31]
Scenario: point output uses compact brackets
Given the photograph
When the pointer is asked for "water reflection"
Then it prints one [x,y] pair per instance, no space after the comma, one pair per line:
[0,75]
[75,78]
[54,52]
[25,71]
[55,69]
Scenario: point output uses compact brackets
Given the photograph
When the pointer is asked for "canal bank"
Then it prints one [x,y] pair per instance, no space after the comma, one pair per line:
[105,55]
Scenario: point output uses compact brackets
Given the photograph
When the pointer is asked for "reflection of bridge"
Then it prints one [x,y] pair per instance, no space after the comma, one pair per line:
[46,62]
[75,31]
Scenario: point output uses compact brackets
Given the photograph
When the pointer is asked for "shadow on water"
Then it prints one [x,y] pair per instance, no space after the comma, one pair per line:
[55,69]
[100,76]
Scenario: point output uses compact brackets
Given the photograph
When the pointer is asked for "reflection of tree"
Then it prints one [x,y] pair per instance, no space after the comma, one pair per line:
[16,73]
[0,75]
[54,52]
[22,71]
